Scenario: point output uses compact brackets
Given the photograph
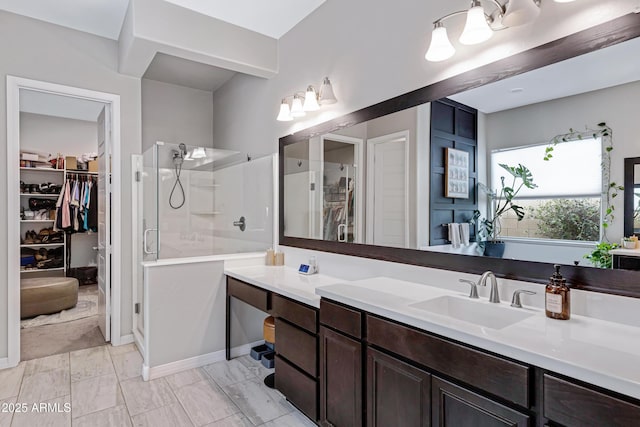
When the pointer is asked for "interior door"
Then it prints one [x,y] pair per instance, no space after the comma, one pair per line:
[104,221]
[387,190]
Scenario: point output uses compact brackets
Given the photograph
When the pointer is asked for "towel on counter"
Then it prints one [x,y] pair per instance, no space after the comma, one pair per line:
[464,233]
[454,234]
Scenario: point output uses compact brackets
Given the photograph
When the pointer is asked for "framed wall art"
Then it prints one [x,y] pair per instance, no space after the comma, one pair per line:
[456,181]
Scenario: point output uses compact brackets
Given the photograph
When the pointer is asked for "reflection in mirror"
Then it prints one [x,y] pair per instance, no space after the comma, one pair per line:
[394,193]
[636,200]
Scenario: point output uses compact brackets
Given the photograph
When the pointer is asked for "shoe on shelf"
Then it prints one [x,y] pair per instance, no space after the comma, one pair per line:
[41,255]
[28,239]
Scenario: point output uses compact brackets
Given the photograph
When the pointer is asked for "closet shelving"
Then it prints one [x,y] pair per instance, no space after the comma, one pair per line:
[36,176]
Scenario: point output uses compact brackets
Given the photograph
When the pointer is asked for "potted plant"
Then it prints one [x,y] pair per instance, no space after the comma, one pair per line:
[501,202]
[600,256]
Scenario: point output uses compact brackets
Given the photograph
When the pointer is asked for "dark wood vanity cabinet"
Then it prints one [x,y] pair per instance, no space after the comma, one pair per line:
[296,360]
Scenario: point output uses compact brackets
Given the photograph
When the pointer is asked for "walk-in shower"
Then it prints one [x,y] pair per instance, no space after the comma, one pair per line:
[200,201]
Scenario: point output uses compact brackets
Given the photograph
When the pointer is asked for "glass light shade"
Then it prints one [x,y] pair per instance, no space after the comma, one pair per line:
[476,29]
[296,107]
[285,112]
[311,100]
[198,153]
[440,47]
[326,93]
[520,12]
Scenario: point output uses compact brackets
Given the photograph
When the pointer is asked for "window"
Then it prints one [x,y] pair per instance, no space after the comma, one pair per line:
[566,205]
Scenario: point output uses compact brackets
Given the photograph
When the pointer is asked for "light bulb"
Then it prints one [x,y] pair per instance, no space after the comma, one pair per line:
[198,153]
[285,112]
[440,47]
[476,29]
[311,100]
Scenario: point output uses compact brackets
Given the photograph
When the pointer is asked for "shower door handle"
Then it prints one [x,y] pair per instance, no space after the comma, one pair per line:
[240,224]
[343,228]
[144,243]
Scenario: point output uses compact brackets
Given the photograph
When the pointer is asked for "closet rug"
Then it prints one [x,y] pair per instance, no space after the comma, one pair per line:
[87,306]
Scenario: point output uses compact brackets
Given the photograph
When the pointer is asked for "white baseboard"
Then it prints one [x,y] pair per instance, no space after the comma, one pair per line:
[151,373]
[4,363]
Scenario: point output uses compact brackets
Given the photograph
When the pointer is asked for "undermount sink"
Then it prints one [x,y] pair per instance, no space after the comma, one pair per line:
[481,313]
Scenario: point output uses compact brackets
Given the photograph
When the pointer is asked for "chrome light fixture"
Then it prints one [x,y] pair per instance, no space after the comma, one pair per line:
[480,24]
[308,101]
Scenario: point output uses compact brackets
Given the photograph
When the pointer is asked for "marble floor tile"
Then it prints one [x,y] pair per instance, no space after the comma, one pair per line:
[294,419]
[205,402]
[95,394]
[184,378]
[128,365]
[121,349]
[49,363]
[236,420]
[167,416]
[44,386]
[259,403]
[10,380]
[228,372]
[112,417]
[6,412]
[255,366]
[51,413]
[142,396]
[89,363]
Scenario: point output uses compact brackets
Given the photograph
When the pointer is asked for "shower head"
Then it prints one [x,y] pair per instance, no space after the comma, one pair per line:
[179,154]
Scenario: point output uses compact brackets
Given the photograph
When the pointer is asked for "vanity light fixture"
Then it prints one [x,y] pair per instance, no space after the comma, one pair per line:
[303,102]
[480,25]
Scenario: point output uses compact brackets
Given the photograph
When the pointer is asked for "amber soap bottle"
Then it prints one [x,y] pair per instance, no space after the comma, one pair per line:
[557,302]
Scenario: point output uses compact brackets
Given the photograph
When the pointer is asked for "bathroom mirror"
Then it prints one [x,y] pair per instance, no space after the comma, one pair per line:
[400,131]
[632,196]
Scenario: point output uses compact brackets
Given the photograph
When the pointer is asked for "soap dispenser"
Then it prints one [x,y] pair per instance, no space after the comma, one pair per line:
[557,298]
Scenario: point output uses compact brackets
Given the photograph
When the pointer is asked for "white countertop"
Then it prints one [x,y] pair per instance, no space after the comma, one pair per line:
[603,353]
[626,252]
[285,281]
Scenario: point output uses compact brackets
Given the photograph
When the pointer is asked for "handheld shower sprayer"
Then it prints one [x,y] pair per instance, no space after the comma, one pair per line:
[178,159]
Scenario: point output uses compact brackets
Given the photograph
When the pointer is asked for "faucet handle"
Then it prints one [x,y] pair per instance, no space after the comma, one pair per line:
[474,287]
[515,301]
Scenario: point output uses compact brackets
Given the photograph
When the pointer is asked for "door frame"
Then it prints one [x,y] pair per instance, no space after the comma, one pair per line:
[402,135]
[14,85]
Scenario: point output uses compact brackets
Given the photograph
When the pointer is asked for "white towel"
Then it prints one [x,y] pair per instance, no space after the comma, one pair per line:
[464,233]
[454,234]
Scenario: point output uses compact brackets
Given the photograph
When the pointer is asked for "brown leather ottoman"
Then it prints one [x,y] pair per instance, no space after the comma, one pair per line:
[46,295]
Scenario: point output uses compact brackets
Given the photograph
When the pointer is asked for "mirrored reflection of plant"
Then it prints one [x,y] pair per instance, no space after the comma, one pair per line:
[610,188]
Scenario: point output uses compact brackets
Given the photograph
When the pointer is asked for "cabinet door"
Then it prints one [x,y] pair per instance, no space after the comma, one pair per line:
[340,380]
[453,406]
[398,394]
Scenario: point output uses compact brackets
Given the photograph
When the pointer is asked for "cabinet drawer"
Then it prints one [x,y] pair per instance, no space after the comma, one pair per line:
[259,298]
[344,319]
[298,388]
[296,313]
[495,375]
[297,346]
[576,406]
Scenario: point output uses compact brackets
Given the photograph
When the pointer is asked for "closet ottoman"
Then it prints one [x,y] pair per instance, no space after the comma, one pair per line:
[46,295]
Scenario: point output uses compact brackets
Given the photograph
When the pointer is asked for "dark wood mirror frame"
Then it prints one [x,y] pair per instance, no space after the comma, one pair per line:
[619,282]
[629,167]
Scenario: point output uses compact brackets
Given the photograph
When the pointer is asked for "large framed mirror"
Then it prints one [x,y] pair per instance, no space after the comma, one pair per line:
[387,182]
[632,196]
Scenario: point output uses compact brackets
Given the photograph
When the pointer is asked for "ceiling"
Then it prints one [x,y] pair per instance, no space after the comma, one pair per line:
[603,68]
[104,18]
[182,72]
[68,107]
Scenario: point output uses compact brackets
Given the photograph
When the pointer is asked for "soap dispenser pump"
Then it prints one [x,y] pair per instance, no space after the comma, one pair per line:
[557,298]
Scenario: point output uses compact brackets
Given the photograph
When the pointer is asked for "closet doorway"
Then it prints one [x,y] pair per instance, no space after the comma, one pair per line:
[63,165]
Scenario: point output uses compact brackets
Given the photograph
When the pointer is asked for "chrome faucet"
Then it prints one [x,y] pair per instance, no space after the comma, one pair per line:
[494,296]
[474,288]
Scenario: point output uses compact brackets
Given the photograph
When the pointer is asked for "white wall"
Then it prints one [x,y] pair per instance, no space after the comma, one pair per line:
[617,106]
[175,114]
[41,51]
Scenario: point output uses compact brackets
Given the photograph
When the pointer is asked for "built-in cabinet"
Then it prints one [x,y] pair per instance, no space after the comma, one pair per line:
[412,378]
